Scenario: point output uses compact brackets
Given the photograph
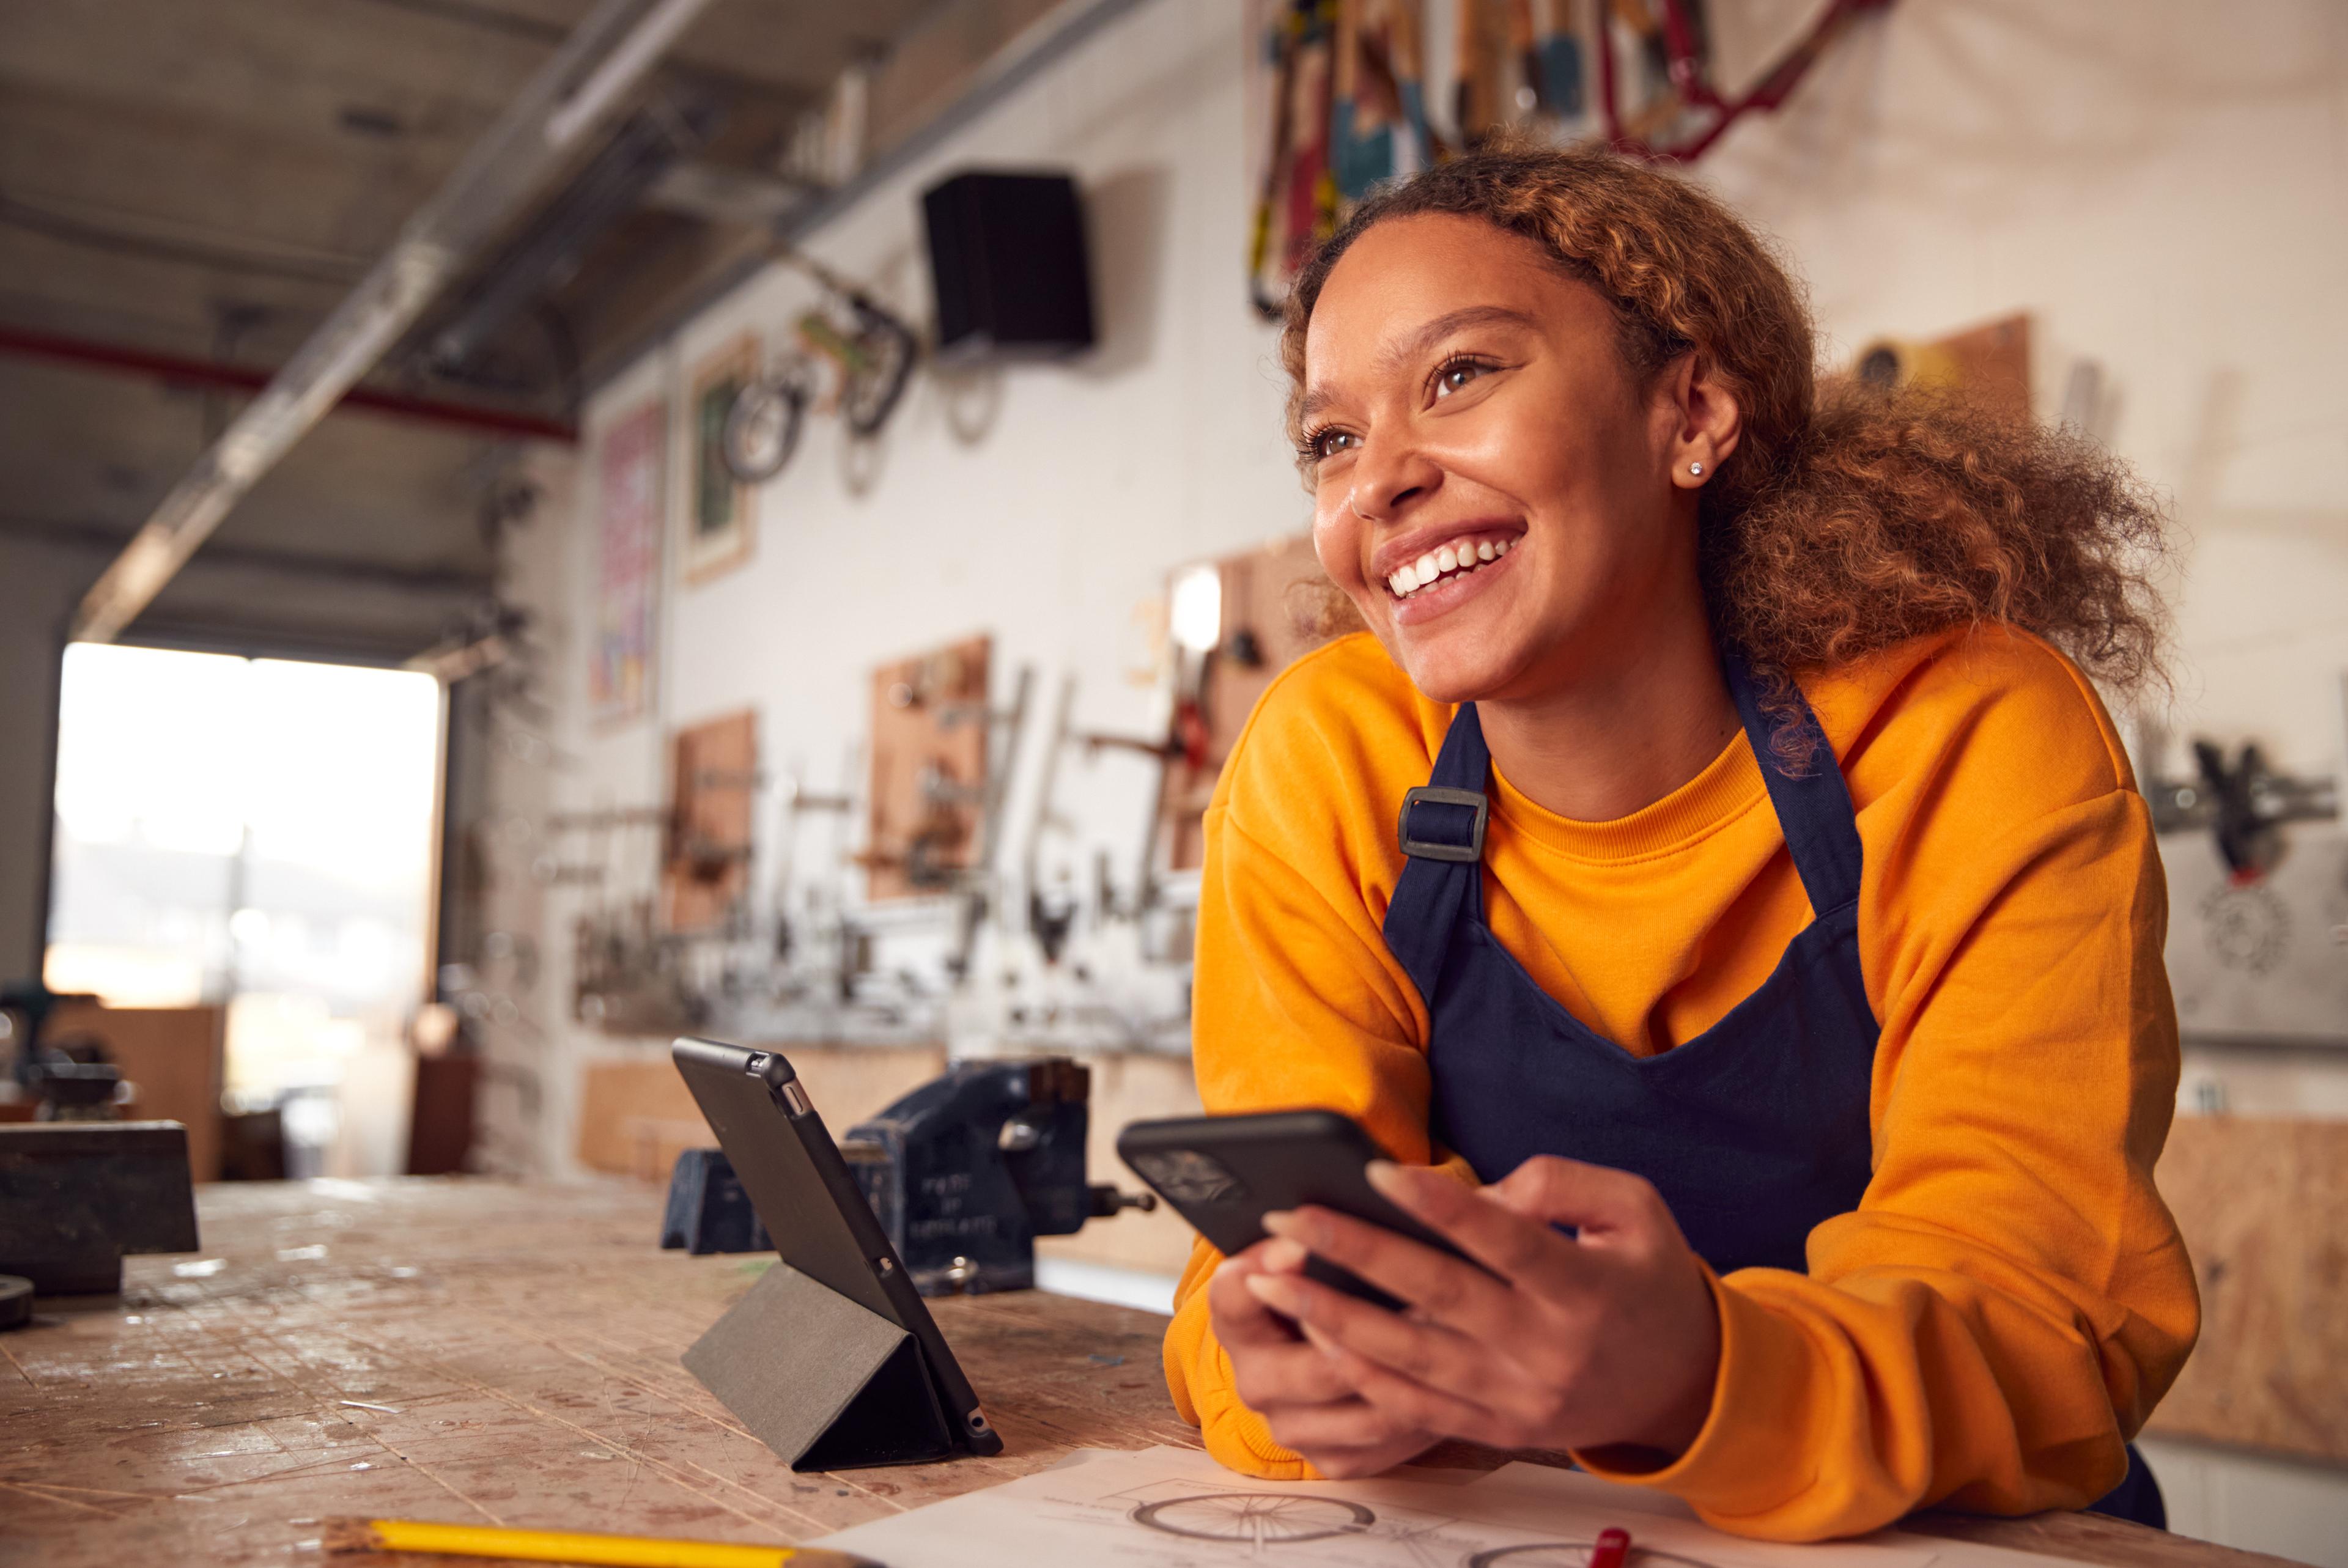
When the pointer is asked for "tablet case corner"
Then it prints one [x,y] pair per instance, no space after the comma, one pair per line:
[824,1381]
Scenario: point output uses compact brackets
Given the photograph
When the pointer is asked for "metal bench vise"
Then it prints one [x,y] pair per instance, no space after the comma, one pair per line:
[964,1174]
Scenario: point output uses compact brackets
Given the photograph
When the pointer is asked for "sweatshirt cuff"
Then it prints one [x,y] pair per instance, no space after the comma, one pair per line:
[1749,1455]
[1198,1375]
[1237,1437]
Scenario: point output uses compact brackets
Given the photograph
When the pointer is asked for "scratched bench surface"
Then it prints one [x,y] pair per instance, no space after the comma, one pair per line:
[479,1351]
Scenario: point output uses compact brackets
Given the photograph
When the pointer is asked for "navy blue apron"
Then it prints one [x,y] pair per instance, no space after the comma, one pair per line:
[1756,1131]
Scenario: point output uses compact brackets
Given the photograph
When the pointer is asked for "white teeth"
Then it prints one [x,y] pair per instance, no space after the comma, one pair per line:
[1463,557]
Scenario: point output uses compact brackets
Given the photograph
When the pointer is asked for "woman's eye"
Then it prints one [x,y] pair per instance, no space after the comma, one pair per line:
[1455,376]
[1329,443]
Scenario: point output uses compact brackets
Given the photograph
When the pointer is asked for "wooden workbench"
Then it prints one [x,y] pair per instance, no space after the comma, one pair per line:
[471,1351]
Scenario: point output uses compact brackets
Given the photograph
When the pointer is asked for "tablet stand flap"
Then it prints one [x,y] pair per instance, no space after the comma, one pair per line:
[824,1381]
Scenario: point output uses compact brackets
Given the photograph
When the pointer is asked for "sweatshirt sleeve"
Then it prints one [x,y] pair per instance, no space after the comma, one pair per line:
[2011,1298]
[1307,1008]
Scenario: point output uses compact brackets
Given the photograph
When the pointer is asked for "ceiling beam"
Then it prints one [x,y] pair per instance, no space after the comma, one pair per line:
[98,538]
[183,370]
[575,91]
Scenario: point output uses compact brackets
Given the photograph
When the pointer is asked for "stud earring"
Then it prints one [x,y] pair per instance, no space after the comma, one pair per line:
[1696,469]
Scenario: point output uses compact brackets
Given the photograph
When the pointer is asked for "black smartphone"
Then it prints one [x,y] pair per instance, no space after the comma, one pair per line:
[1224,1174]
[804,1191]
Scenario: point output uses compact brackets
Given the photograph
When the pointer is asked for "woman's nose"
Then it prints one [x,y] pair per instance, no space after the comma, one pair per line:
[1387,482]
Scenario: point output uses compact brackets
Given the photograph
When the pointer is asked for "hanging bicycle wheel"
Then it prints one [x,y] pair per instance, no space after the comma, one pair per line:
[762,428]
[885,352]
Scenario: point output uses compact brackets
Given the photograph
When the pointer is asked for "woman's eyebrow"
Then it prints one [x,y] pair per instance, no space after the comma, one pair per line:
[1420,342]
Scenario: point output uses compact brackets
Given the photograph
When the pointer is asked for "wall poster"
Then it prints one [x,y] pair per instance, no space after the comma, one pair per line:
[719,512]
[629,496]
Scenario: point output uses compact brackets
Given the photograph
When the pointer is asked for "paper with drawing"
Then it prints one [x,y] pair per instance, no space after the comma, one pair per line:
[1176,1508]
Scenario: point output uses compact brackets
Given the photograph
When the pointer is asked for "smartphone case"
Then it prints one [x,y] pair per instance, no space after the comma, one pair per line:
[1222,1173]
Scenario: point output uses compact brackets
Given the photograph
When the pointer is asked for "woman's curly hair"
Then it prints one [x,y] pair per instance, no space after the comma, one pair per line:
[1851,517]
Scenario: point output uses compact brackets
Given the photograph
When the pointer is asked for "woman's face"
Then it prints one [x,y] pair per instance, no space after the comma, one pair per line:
[1493,488]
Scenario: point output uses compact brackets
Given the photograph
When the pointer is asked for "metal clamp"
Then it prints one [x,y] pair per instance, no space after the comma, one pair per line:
[1434,849]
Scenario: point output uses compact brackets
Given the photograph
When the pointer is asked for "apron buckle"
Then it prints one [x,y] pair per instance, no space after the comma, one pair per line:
[1448,846]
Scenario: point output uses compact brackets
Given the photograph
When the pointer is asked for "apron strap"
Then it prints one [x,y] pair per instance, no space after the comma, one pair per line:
[1814,808]
[1442,827]
[1442,837]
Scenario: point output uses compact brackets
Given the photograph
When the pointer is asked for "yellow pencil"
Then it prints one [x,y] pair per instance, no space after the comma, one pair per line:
[568,1547]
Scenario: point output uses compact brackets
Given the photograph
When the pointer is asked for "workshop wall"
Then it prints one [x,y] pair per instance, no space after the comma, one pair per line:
[1044,505]
[1952,163]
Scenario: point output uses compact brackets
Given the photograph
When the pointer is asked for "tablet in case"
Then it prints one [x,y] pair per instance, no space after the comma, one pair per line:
[832,1359]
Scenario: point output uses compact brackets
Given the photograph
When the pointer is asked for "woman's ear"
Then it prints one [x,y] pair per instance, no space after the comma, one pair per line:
[1705,422]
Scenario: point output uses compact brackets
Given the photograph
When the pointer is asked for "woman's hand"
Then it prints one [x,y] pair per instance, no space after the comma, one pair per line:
[1613,1338]
[1296,1387]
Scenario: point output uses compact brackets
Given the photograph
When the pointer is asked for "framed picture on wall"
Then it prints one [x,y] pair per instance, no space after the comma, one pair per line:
[630,473]
[719,514]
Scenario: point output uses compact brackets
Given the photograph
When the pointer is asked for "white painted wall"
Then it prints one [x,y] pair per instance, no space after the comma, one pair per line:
[2163,183]
[2163,186]
[1054,529]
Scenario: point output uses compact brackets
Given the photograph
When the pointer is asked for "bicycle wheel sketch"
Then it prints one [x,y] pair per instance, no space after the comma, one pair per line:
[1258,1518]
[1573,1554]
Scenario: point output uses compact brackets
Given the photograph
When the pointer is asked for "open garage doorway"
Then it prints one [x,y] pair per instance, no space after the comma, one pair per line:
[257,834]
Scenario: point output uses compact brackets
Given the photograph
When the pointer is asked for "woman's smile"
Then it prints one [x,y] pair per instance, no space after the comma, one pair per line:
[1440,580]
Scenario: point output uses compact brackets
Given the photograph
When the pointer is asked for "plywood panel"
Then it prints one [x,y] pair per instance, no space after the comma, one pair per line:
[1128,1088]
[637,1116]
[1993,364]
[2263,1206]
[1988,364]
[174,1057]
[928,769]
[713,784]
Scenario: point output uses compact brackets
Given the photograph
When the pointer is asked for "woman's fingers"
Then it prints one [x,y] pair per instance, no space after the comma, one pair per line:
[1270,1364]
[1595,1199]
[1425,1352]
[1241,1320]
[1441,1286]
[1350,1423]
[1408,1402]
[1518,1248]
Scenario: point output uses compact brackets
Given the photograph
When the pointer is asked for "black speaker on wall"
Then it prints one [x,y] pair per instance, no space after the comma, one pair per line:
[1008,257]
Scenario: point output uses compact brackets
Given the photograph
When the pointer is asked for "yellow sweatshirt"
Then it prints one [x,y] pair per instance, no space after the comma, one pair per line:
[2011,1298]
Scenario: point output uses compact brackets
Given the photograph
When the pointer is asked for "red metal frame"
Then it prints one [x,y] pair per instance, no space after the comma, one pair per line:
[1696,92]
[212,373]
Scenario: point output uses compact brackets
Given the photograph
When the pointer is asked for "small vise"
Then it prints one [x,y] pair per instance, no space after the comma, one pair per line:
[968,1169]
[964,1174]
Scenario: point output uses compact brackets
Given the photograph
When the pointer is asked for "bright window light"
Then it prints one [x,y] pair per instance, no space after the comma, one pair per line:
[1198,613]
[255,832]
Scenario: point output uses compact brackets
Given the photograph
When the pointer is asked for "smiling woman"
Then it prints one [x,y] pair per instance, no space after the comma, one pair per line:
[1793,1021]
